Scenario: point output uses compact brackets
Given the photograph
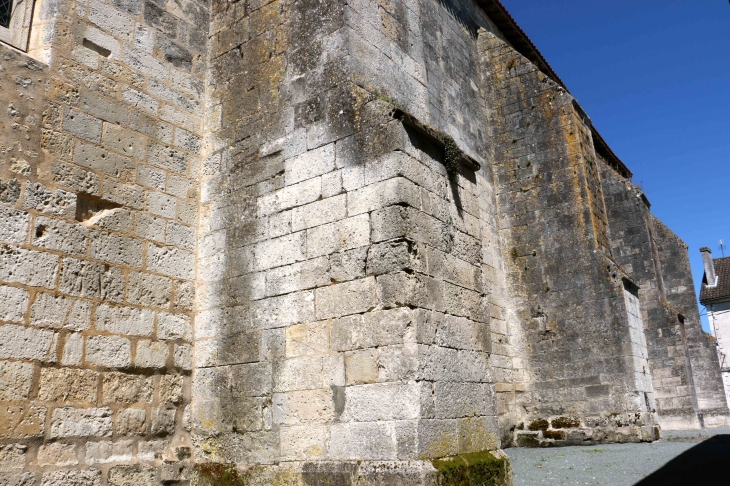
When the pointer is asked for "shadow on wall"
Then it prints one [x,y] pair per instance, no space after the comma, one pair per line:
[705,463]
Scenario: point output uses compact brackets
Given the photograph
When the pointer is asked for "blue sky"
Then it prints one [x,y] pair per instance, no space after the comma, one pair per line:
[654,76]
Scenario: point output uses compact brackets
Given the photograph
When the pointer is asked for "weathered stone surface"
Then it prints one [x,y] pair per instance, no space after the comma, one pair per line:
[78,422]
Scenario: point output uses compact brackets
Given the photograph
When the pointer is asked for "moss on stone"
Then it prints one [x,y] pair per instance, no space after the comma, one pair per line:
[539,424]
[216,474]
[565,423]
[477,468]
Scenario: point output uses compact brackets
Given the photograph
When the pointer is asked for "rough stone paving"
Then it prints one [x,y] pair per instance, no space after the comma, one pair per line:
[320,242]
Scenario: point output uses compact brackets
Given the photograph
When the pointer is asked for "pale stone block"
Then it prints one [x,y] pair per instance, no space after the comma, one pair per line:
[115,219]
[171,261]
[301,373]
[68,384]
[151,354]
[301,407]
[151,450]
[304,339]
[279,251]
[280,224]
[163,421]
[107,452]
[319,212]
[310,164]
[108,351]
[183,356]
[81,125]
[373,329]
[332,184]
[151,177]
[174,326]
[126,388]
[398,191]
[13,303]
[59,202]
[361,367]
[125,320]
[348,265]
[181,236]
[131,421]
[58,312]
[290,196]
[18,265]
[381,402]
[346,298]
[12,458]
[338,236]
[115,248]
[81,477]
[57,454]
[138,99]
[133,475]
[112,21]
[364,441]
[438,438]
[397,363]
[161,204]
[22,422]
[148,289]
[283,310]
[88,279]
[76,422]
[297,276]
[303,442]
[19,342]
[102,160]
[13,225]
[16,380]
[73,350]
[171,389]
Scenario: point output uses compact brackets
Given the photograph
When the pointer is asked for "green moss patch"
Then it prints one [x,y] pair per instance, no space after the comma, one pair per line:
[215,474]
[565,423]
[539,424]
[477,468]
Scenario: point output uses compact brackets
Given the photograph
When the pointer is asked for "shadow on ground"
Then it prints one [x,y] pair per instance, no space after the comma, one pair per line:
[705,463]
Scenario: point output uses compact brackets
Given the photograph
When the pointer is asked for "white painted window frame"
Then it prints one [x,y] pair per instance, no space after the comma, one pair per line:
[19,30]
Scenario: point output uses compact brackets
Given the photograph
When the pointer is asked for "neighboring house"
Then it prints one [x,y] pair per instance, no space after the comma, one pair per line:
[715,296]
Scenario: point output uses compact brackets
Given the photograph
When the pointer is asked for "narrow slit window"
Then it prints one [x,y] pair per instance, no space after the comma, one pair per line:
[6,9]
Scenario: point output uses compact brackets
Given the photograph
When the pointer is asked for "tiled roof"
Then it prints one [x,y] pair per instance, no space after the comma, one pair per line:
[722,290]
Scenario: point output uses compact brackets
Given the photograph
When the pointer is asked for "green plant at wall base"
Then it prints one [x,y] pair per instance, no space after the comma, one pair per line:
[475,469]
[452,153]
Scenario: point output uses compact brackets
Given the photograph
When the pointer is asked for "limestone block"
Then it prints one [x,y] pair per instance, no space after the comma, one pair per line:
[298,276]
[310,164]
[187,141]
[115,248]
[332,184]
[348,265]
[398,363]
[301,407]
[81,422]
[123,141]
[167,158]
[99,159]
[381,402]
[174,326]
[162,420]
[346,298]
[171,389]
[73,350]
[106,452]
[125,320]
[301,373]
[341,235]
[151,450]
[102,107]
[21,266]
[81,125]
[373,441]
[16,379]
[396,191]
[14,227]
[13,303]
[9,191]
[319,212]
[437,438]
[283,310]
[183,356]
[19,342]
[134,475]
[126,388]
[57,454]
[181,236]
[61,236]
[108,351]
[75,178]
[131,421]
[142,123]
[148,289]
[171,261]
[58,312]
[22,422]
[151,354]
[161,204]
[68,384]
[59,202]
[94,280]
[373,329]
[303,442]
[78,477]
[291,196]
[184,296]
[304,339]
[12,458]
[361,367]
[279,251]
[247,380]
[398,289]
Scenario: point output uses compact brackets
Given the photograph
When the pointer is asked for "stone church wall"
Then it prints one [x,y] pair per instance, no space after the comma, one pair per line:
[99,170]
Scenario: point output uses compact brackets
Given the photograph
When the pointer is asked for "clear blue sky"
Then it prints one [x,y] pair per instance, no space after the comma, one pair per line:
[654,76]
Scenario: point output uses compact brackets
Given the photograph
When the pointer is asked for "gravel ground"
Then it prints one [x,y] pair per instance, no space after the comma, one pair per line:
[681,457]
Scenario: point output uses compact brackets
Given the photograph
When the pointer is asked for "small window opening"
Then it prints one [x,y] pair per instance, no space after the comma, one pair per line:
[94,47]
[6,9]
